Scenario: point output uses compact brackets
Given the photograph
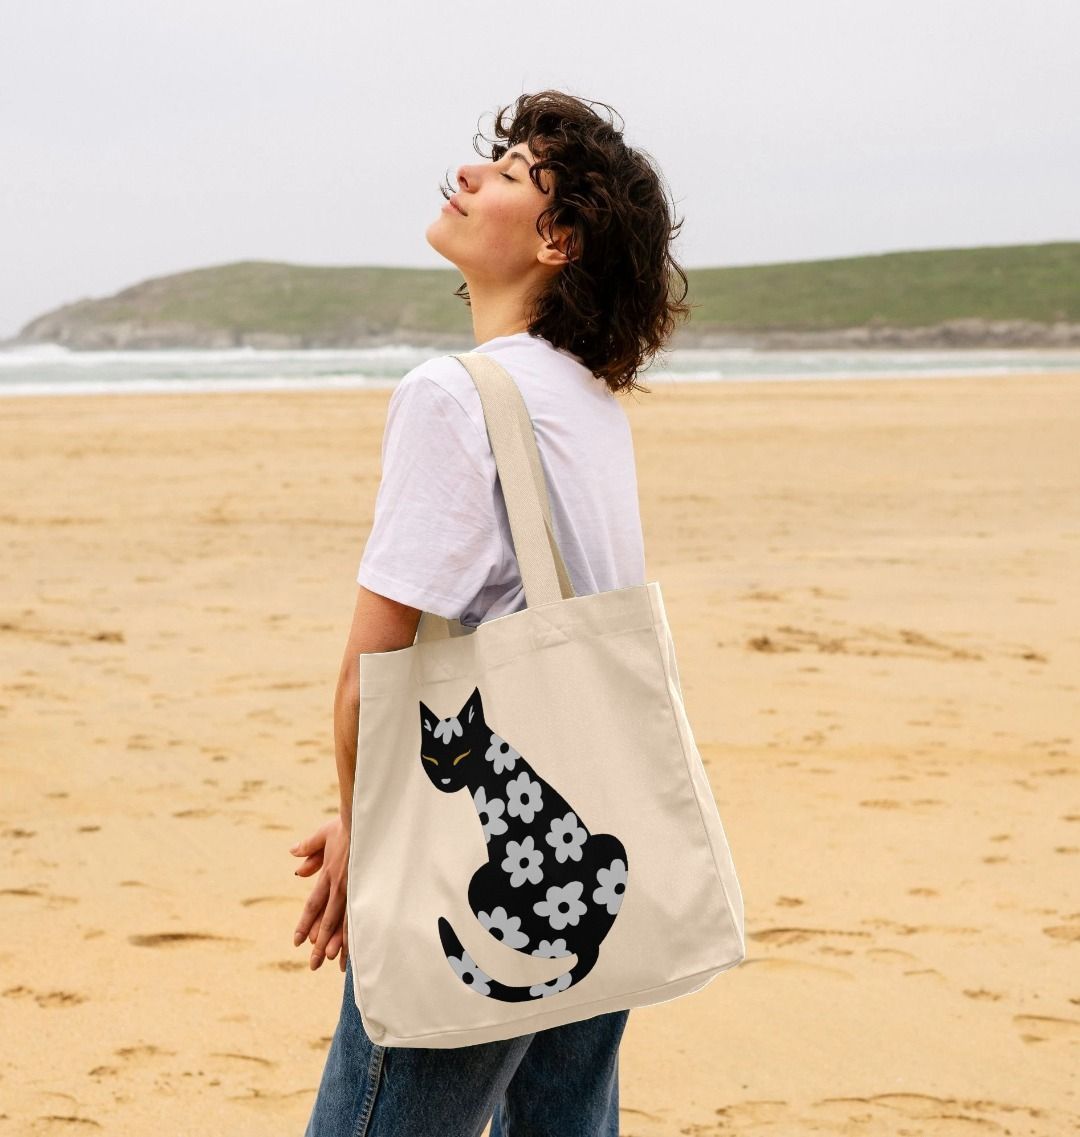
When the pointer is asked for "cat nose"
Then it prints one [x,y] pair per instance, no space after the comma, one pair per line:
[445,781]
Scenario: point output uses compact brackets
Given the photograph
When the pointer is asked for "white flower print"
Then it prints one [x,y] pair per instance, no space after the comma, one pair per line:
[523,797]
[551,949]
[501,754]
[490,811]
[566,836]
[612,883]
[563,904]
[522,862]
[552,987]
[447,728]
[508,927]
[469,973]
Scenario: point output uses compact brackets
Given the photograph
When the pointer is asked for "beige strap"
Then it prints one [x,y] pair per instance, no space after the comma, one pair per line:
[517,460]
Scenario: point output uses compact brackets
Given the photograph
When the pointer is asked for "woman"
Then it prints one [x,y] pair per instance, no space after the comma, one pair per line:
[563,238]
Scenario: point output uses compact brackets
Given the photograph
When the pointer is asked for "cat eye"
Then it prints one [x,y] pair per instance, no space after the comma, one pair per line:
[427,759]
[460,756]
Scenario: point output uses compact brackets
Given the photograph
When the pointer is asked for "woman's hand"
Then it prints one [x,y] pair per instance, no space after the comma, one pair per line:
[323,918]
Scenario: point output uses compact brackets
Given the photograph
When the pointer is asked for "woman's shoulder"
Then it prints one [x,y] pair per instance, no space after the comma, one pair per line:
[441,382]
[553,384]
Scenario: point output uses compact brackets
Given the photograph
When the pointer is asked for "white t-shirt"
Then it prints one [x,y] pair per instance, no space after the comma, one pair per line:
[441,541]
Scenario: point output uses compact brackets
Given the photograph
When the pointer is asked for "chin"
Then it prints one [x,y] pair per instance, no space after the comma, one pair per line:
[437,241]
[434,237]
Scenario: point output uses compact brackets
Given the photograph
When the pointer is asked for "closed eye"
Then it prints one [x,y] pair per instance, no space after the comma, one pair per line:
[460,756]
[427,759]
[508,178]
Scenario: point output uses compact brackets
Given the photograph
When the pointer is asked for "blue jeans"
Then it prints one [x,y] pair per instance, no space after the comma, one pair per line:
[559,1082]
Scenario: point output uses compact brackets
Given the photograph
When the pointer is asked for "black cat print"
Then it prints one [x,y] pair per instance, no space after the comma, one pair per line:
[549,887]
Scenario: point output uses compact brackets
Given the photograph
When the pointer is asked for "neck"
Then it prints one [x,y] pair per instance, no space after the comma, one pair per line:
[497,311]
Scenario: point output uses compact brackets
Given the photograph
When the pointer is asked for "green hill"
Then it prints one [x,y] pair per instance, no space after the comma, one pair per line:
[993,295]
[905,290]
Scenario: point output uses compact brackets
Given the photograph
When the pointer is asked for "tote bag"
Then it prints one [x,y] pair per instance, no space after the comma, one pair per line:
[534,839]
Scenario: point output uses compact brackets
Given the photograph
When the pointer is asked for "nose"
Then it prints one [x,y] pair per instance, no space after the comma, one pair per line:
[467,177]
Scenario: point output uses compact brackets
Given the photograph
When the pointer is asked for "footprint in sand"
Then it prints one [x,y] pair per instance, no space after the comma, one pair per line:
[242,1057]
[891,955]
[166,939]
[785,937]
[1046,1028]
[45,998]
[53,899]
[249,901]
[903,642]
[147,1050]
[924,1113]
[66,1119]
[1069,933]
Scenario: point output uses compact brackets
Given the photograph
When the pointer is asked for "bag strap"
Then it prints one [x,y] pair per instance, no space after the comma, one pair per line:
[528,507]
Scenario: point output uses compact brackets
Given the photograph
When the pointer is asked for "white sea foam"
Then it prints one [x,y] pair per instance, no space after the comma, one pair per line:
[51,369]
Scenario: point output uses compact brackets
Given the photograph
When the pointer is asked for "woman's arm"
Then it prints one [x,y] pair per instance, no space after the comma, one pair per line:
[379,624]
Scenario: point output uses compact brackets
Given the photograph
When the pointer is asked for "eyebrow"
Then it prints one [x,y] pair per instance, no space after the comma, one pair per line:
[517,154]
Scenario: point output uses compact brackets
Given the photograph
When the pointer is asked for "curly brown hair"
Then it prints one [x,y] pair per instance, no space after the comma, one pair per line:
[613,303]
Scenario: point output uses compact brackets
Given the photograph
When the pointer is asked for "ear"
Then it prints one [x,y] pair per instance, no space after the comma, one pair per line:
[427,718]
[473,709]
[554,251]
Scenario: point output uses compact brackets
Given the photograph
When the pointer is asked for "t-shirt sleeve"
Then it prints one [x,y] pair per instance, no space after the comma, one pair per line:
[434,540]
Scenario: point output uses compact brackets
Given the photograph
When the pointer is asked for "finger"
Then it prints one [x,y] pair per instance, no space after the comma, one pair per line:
[333,945]
[344,956]
[331,922]
[309,844]
[338,945]
[312,911]
[319,951]
[311,865]
[331,918]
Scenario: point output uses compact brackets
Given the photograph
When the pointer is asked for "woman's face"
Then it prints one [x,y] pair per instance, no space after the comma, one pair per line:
[493,238]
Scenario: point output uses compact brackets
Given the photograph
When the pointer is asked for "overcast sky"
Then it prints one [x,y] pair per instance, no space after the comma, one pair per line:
[144,137]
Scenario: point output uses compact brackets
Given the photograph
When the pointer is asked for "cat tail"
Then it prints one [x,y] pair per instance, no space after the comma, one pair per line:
[483,984]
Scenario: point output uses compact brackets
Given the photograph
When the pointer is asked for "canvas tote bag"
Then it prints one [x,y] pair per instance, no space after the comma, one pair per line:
[534,837]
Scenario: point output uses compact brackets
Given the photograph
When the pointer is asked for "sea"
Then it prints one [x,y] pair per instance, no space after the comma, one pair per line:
[49,369]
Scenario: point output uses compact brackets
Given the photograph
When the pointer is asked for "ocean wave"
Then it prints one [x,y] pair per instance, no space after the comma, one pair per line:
[41,369]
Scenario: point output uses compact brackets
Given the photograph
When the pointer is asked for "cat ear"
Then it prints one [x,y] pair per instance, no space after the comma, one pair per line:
[427,717]
[474,707]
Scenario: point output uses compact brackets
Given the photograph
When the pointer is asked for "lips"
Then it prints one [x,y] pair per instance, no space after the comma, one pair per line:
[456,205]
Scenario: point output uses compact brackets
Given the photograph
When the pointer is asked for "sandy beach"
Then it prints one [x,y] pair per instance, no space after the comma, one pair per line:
[874,589]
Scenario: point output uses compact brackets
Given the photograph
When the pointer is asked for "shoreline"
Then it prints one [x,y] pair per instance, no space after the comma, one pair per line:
[191,385]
